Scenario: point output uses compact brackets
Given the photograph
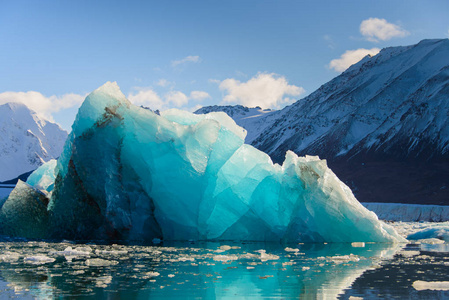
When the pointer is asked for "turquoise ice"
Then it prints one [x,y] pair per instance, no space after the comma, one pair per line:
[127,173]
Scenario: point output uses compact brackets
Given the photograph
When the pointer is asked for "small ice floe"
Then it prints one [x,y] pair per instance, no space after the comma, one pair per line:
[152,274]
[420,285]
[225,247]
[38,259]
[431,241]
[103,281]
[440,232]
[295,250]
[358,244]
[156,241]
[78,251]
[111,252]
[225,257]
[266,256]
[98,262]
[405,253]
[343,258]
[9,257]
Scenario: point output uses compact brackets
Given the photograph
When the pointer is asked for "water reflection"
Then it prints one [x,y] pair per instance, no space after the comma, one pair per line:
[212,270]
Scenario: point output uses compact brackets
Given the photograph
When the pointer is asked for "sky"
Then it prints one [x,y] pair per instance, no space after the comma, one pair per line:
[188,54]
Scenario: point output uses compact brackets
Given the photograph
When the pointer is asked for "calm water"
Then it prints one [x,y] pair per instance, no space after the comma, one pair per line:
[221,270]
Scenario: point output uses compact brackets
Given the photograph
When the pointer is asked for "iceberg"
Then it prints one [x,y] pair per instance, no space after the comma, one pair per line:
[127,173]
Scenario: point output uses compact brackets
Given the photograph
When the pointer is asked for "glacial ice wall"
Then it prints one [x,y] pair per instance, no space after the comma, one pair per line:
[127,173]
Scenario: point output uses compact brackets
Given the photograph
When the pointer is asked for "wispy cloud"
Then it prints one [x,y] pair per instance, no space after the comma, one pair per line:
[146,96]
[351,57]
[42,105]
[163,82]
[330,41]
[187,59]
[199,95]
[176,98]
[374,29]
[267,90]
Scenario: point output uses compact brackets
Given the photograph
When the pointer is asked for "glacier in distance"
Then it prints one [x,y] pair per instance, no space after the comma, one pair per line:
[127,173]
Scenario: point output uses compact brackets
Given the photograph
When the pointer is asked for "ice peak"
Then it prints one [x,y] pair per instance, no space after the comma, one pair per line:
[111,89]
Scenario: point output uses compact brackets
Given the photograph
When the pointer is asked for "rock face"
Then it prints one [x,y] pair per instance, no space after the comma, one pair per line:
[127,173]
[26,140]
[382,125]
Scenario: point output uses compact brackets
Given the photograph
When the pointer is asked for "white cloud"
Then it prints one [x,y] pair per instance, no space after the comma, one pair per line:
[42,105]
[351,57]
[330,41]
[375,29]
[146,97]
[199,95]
[193,59]
[177,98]
[265,89]
[214,81]
[163,82]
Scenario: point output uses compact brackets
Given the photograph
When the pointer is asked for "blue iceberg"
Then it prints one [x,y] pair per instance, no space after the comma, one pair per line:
[127,173]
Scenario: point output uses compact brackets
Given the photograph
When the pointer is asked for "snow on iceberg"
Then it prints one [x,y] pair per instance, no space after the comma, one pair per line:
[127,173]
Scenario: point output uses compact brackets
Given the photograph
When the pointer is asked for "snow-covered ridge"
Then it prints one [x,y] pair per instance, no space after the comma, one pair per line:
[26,140]
[396,98]
[391,107]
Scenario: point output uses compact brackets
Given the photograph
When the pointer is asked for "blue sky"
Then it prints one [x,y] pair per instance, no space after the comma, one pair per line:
[188,54]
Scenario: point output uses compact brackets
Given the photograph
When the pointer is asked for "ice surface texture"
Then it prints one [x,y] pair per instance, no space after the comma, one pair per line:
[127,173]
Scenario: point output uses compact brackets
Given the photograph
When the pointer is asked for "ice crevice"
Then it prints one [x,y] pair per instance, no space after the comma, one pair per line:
[127,173]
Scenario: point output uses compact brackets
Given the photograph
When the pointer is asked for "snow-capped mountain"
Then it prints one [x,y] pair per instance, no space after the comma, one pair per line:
[26,140]
[383,125]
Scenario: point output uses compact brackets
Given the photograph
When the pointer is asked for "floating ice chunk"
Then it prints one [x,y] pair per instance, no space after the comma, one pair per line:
[420,285]
[439,232]
[338,259]
[152,274]
[79,251]
[431,241]
[225,258]
[25,213]
[111,252]
[358,244]
[410,253]
[38,259]
[181,176]
[44,177]
[266,256]
[291,249]
[103,281]
[9,256]
[98,262]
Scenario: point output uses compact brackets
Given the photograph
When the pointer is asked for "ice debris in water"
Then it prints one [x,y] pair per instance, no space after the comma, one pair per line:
[38,259]
[436,232]
[127,173]
[99,262]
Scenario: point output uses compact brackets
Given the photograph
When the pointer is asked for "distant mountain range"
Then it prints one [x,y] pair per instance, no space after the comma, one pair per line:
[26,141]
[383,125]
